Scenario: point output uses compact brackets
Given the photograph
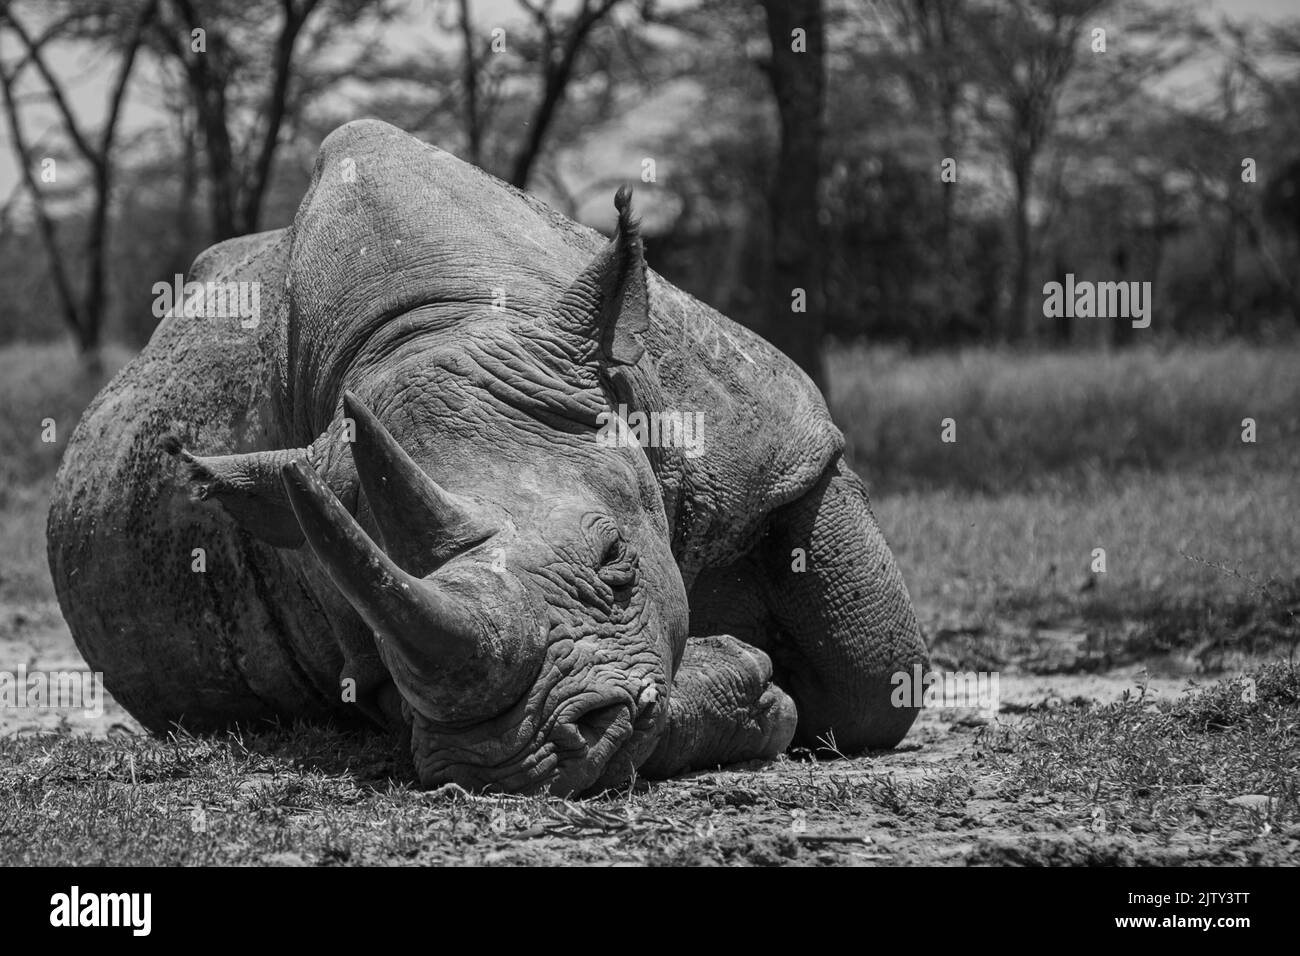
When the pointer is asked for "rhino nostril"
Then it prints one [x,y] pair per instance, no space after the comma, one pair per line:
[595,724]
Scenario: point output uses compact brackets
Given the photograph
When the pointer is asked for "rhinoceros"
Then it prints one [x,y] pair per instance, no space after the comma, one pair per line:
[394,496]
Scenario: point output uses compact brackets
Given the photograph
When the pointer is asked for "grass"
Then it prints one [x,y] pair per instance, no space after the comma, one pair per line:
[1168,764]
[39,384]
[318,796]
[1208,777]
[1138,453]
[1023,420]
[1171,540]
[1057,455]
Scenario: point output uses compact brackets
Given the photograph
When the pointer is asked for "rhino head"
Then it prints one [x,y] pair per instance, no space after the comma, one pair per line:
[516,573]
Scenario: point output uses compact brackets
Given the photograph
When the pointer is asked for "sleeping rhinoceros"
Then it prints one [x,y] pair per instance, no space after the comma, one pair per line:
[394,495]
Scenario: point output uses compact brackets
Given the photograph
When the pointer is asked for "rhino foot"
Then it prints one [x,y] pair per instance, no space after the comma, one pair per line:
[724,709]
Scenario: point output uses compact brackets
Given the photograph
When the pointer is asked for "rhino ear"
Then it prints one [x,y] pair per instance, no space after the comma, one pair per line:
[608,305]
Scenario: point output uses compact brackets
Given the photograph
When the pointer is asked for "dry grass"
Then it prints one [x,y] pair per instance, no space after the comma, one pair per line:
[1221,752]
[1023,419]
[317,796]
[37,382]
[974,555]
[1139,453]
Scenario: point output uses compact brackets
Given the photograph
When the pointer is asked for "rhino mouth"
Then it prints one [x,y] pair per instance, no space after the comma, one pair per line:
[602,729]
[609,737]
[592,741]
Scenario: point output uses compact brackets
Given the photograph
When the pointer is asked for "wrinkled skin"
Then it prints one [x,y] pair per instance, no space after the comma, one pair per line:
[406,517]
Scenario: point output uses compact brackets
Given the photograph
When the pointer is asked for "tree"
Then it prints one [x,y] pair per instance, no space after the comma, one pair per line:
[471,69]
[931,64]
[82,312]
[1275,127]
[797,72]
[232,72]
[561,42]
[1104,177]
[1024,52]
[500,91]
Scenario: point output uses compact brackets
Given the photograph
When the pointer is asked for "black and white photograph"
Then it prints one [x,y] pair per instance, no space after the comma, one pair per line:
[651,433]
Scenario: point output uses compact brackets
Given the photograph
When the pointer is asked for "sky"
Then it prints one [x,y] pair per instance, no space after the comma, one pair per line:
[88,86]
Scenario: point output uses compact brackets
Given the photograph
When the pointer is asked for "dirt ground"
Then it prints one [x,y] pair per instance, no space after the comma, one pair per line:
[937,799]
[38,637]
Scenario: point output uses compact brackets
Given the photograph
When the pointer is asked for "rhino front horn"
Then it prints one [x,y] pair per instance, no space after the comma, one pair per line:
[422,524]
[433,632]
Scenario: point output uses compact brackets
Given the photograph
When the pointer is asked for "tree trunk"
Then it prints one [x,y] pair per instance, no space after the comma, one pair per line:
[473,120]
[1121,329]
[88,347]
[1064,324]
[1285,286]
[1228,269]
[555,83]
[276,106]
[1018,320]
[799,85]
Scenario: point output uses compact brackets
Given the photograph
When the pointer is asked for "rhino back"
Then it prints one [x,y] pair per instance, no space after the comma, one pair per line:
[231,642]
[391,223]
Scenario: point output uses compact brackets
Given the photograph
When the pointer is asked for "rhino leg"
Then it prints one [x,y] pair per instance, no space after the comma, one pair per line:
[249,487]
[845,623]
[822,596]
[724,709]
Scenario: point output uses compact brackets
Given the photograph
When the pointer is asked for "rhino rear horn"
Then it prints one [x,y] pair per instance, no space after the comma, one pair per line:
[421,523]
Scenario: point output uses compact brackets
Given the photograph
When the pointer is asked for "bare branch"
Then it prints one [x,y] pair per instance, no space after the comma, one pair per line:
[49,232]
[56,91]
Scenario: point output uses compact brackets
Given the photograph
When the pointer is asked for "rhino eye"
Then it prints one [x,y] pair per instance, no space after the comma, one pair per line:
[617,569]
[613,552]
[607,545]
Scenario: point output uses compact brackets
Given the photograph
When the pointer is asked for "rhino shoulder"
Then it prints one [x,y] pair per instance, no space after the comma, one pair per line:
[231,256]
[767,435]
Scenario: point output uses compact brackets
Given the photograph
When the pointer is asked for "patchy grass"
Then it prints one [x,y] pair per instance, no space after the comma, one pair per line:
[316,796]
[24,574]
[1224,757]
[1133,782]
[323,797]
[1058,454]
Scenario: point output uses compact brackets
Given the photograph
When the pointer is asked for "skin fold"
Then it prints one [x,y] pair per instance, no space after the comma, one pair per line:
[386,502]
